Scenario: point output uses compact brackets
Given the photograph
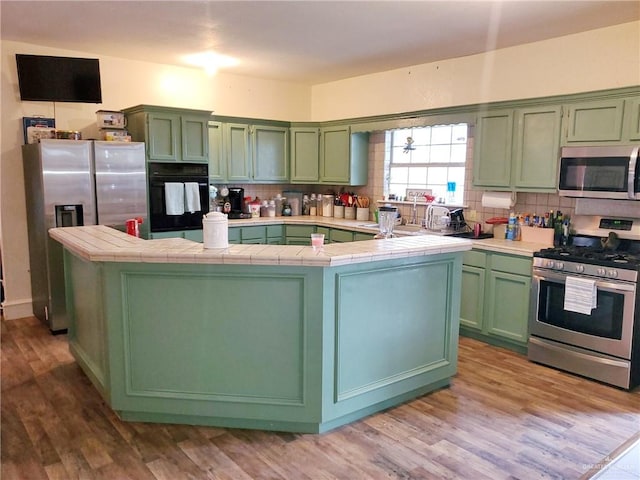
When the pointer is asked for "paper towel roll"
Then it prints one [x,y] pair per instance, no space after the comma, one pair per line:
[498,199]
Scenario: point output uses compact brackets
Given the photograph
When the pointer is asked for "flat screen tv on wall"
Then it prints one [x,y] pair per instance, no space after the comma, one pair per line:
[44,78]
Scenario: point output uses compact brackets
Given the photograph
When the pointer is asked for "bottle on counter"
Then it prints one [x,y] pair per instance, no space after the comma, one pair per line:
[279,201]
[313,209]
[286,209]
[305,205]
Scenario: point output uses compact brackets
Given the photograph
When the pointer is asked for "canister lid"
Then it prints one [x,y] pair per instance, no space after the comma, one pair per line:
[215,217]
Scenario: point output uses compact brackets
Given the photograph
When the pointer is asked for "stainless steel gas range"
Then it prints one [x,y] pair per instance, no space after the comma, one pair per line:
[585,303]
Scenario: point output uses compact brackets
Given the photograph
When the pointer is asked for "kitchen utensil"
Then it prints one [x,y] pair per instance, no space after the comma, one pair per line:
[434,217]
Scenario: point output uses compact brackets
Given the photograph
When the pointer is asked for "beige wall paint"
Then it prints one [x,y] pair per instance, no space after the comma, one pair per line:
[124,83]
[594,60]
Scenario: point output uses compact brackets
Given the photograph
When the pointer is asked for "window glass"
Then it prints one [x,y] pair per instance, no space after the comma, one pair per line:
[428,158]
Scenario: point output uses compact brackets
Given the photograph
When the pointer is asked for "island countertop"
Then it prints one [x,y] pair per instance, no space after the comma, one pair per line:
[100,243]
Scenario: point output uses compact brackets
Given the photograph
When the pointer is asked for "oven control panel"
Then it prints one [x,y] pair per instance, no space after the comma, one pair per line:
[582,269]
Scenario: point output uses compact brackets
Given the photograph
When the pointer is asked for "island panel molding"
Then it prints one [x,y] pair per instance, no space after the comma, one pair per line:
[169,338]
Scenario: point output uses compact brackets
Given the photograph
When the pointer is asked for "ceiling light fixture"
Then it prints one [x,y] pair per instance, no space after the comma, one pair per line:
[211,62]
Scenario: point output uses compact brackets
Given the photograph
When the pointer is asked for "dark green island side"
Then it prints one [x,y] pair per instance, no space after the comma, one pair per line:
[261,336]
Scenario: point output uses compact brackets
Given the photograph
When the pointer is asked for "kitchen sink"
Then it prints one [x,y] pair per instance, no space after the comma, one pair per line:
[470,235]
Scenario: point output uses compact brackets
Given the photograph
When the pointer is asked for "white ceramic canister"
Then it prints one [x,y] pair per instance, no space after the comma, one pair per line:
[215,230]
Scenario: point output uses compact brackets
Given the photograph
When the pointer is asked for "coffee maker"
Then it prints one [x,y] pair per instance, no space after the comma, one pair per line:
[236,199]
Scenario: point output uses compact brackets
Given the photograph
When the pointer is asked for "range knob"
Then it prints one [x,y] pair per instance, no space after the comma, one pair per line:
[612,273]
[559,266]
[550,264]
[601,271]
[580,268]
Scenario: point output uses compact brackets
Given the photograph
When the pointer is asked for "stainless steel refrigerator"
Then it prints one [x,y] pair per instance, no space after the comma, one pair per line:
[73,183]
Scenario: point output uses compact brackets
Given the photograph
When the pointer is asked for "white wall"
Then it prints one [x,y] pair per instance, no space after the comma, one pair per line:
[593,60]
[125,83]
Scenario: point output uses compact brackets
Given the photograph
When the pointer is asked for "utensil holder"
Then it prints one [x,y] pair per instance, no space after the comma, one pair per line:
[362,214]
[349,213]
[338,211]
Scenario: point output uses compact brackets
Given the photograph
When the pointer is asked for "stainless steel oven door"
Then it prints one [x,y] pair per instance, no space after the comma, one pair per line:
[609,328]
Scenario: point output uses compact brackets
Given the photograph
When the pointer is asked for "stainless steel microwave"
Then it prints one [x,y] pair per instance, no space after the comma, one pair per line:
[611,172]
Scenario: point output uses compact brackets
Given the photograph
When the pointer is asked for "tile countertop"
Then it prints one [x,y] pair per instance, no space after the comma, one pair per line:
[490,244]
[100,243]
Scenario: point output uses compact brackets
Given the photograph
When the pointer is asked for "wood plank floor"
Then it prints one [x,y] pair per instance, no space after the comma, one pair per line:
[502,418]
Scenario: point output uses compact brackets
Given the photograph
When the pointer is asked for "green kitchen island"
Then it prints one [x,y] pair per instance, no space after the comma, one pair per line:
[261,336]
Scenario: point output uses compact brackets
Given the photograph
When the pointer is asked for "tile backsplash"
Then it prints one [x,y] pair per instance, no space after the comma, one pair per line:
[379,154]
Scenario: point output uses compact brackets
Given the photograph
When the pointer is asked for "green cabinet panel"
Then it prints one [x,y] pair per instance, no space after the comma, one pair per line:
[170,134]
[234,235]
[472,301]
[632,118]
[217,161]
[598,121]
[195,139]
[299,234]
[161,235]
[341,236]
[326,231]
[162,140]
[518,149]
[507,306]
[343,156]
[305,154]
[194,235]
[536,148]
[495,298]
[492,149]
[270,153]
[254,233]
[358,236]
[275,231]
[237,150]
[334,154]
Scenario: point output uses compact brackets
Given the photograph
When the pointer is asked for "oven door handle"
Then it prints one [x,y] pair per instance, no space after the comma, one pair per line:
[605,285]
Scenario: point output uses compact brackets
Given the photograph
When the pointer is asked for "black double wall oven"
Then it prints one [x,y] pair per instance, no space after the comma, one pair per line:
[182,173]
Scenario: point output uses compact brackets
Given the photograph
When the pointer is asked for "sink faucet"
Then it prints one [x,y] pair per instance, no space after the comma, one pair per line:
[414,211]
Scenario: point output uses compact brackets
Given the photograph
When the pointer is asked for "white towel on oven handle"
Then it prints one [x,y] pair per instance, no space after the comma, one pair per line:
[192,197]
[580,295]
[174,198]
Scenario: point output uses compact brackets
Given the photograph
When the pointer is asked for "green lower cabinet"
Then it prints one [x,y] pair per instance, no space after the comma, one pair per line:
[161,235]
[234,235]
[194,235]
[275,234]
[340,236]
[299,234]
[358,236]
[495,298]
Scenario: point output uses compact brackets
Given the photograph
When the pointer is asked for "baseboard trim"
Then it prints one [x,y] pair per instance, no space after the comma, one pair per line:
[14,310]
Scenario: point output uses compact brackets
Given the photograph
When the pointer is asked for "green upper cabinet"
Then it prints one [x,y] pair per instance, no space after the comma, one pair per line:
[217,163]
[270,153]
[343,156]
[517,149]
[249,152]
[536,148]
[594,122]
[305,154]
[237,152]
[170,134]
[492,149]
[632,118]
[195,138]
[163,137]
